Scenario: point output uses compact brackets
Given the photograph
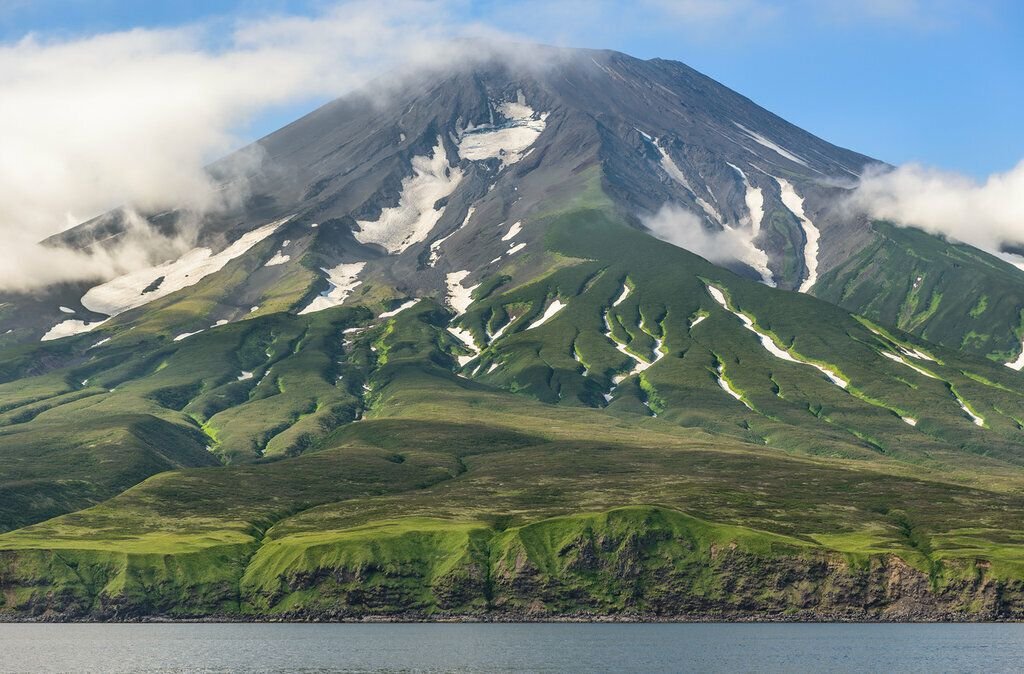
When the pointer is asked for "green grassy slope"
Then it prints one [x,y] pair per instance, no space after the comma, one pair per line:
[369,473]
[950,294]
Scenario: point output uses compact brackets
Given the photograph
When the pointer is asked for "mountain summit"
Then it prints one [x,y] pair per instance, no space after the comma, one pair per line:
[600,337]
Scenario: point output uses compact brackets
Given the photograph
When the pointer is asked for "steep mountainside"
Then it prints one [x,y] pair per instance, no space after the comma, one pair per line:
[437,365]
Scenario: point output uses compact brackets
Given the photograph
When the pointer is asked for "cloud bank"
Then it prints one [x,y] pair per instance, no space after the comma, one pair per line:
[984,214]
[133,117]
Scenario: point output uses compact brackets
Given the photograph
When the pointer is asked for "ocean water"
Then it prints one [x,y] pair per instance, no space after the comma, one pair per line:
[511,647]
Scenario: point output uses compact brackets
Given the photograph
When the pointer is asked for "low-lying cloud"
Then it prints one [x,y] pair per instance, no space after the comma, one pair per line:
[984,214]
[685,229]
[133,117]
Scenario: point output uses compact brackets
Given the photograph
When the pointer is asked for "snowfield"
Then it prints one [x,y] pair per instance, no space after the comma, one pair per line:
[795,203]
[342,280]
[412,220]
[508,142]
[126,292]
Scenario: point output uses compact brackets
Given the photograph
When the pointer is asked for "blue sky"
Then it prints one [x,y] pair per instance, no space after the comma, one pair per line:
[935,81]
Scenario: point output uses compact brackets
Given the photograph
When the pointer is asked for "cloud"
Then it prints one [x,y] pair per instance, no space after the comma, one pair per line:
[685,229]
[133,117]
[984,214]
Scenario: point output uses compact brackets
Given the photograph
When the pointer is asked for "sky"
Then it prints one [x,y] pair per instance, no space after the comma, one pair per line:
[940,82]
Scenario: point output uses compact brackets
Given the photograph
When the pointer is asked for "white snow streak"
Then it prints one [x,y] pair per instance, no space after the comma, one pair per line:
[727,387]
[622,297]
[552,309]
[795,203]
[435,248]
[978,421]
[186,335]
[902,361]
[412,220]
[758,138]
[769,344]
[673,171]
[399,309]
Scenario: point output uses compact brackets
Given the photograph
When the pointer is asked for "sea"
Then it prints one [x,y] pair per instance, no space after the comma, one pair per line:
[494,647]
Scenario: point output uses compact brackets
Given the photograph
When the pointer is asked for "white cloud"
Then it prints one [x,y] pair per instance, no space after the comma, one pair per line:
[685,229]
[132,117]
[983,214]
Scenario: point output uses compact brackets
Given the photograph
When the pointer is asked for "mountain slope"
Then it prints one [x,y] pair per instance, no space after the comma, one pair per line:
[448,370]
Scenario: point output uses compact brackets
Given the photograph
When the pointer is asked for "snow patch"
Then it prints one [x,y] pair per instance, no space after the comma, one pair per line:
[1017,364]
[697,321]
[186,335]
[342,280]
[515,249]
[399,309]
[279,258]
[69,328]
[459,298]
[795,203]
[126,292]
[512,231]
[65,310]
[466,337]
[552,309]
[909,421]
[245,376]
[412,220]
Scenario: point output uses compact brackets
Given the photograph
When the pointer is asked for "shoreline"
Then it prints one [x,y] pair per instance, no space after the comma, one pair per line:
[410,619]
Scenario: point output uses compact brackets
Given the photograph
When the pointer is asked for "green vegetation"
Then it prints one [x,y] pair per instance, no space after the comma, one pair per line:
[338,465]
[947,293]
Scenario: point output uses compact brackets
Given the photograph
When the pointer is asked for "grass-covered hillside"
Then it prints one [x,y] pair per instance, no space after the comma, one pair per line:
[633,431]
[947,293]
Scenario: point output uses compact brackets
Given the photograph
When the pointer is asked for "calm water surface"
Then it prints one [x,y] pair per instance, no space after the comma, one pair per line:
[502,648]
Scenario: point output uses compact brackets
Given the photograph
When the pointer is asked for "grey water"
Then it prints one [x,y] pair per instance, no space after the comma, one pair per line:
[511,647]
